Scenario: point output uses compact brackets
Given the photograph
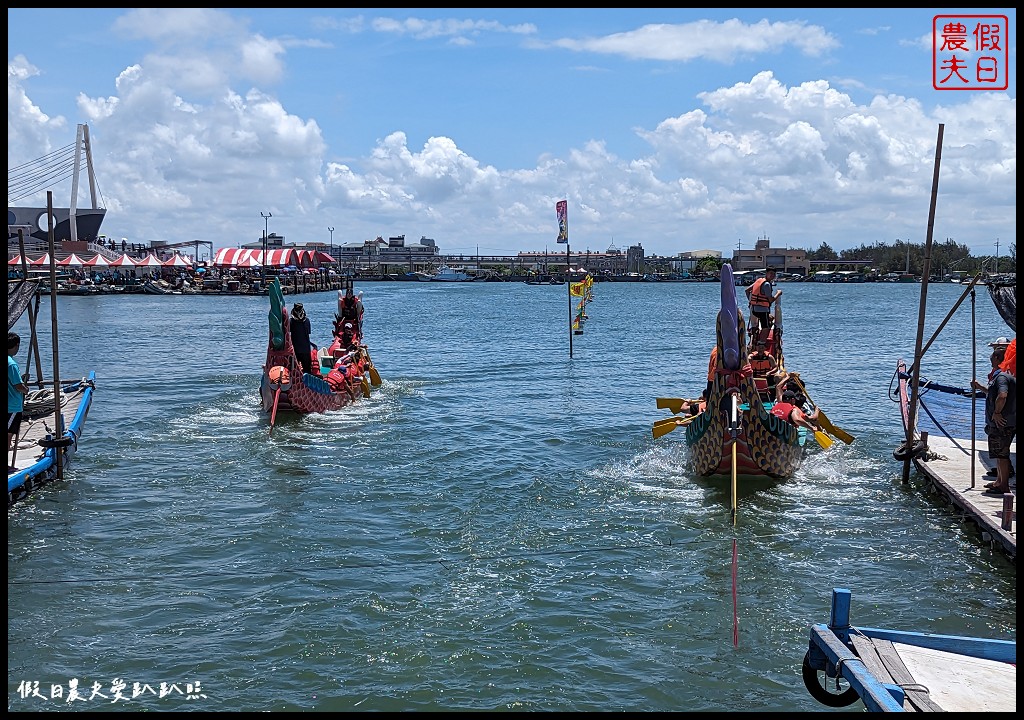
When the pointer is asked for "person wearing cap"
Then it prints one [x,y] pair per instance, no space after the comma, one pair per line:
[300,329]
[762,294]
[352,310]
[1000,418]
[1009,347]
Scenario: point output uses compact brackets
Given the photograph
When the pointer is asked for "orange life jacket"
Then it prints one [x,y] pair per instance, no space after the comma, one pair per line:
[761,366]
[713,363]
[758,301]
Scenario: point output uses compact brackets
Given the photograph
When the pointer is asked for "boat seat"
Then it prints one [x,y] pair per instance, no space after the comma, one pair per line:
[883,660]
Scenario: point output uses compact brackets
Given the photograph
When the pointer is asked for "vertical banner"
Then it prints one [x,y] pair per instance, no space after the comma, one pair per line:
[562,211]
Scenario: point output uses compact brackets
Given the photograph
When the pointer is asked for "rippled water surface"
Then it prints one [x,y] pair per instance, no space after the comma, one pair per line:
[495,528]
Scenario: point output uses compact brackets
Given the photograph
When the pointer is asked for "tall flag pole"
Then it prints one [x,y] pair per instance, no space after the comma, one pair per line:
[562,211]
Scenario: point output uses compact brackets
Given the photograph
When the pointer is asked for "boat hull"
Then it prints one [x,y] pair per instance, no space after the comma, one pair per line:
[43,468]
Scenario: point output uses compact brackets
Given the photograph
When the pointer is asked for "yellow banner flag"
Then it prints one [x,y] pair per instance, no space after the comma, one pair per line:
[576,289]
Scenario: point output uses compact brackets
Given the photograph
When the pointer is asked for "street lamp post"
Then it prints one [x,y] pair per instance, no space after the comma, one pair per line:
[266,222]
[332,240]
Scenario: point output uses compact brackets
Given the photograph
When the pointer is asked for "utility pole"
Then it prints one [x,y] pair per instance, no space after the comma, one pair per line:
[997,256]
[266,222]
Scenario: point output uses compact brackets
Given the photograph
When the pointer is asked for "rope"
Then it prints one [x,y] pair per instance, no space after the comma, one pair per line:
[40,402]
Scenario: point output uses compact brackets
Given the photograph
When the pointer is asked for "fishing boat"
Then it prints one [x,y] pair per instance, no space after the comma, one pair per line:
[342,370]
[54,413]
[450,273]
[906,671]
[735,434]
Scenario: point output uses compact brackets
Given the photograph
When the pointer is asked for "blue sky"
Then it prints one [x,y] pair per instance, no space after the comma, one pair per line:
[677,130]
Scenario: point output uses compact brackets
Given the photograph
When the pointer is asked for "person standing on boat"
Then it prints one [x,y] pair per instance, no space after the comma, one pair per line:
[352,311]
[300,329]
[16,392]
[761,294]
[1000,420]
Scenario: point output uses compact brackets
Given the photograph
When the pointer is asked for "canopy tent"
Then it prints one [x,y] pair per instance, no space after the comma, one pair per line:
[150,260]
[281,258]
[122,261]
[96,260]
[72,259]
[235,257]
[322,257]
[43,260]
[178,260]
[16,260]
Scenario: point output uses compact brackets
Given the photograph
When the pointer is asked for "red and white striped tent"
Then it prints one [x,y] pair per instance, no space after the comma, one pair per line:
[97,260]
[16,260]
[150,260]
[122,261]
[237,257]
[72,259]
[43,260]
[282,258]
[178,260]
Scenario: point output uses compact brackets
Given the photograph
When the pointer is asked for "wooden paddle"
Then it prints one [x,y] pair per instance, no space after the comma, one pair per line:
[824,440]
[273,415]
[374,375]
[667,425]
[366,388]
[673,404]
[822,417]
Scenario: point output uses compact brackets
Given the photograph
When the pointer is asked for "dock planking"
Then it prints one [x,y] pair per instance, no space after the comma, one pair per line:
[948,465]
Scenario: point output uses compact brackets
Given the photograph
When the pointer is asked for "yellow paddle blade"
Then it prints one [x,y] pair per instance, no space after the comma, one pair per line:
[366,387]
[663,429]
[824,440]
[832,429]
[375,376]
[667,425]
[673,404]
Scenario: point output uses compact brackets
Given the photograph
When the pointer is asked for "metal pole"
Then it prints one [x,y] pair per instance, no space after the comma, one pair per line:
[974,377]
[912,418]
[266,223]
[58,420]
[568,285]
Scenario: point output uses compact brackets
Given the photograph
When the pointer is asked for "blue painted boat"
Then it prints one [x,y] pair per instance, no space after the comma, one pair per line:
[34,471]
[901,671]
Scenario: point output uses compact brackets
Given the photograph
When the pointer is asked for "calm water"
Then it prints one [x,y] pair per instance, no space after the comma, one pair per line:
[495,529]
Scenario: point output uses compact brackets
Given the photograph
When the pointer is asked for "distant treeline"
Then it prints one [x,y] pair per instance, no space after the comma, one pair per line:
[947,257]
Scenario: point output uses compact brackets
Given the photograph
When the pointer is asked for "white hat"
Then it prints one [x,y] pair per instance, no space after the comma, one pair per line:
[1000,342]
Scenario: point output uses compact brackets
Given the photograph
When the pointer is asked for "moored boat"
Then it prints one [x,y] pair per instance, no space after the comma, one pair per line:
[906,671]
[341,372]
[450,273]
[54,414]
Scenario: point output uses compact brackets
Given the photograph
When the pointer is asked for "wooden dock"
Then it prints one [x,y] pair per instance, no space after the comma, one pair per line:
[947,465]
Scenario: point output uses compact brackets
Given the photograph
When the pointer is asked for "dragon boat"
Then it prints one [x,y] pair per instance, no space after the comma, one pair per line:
[737,430]
[733,432]
[342,371]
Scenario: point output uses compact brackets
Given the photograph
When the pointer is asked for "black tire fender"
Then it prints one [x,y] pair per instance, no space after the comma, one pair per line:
[820,693]
[919,448]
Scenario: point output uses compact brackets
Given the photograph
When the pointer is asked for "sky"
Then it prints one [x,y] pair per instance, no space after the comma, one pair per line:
[677,130]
